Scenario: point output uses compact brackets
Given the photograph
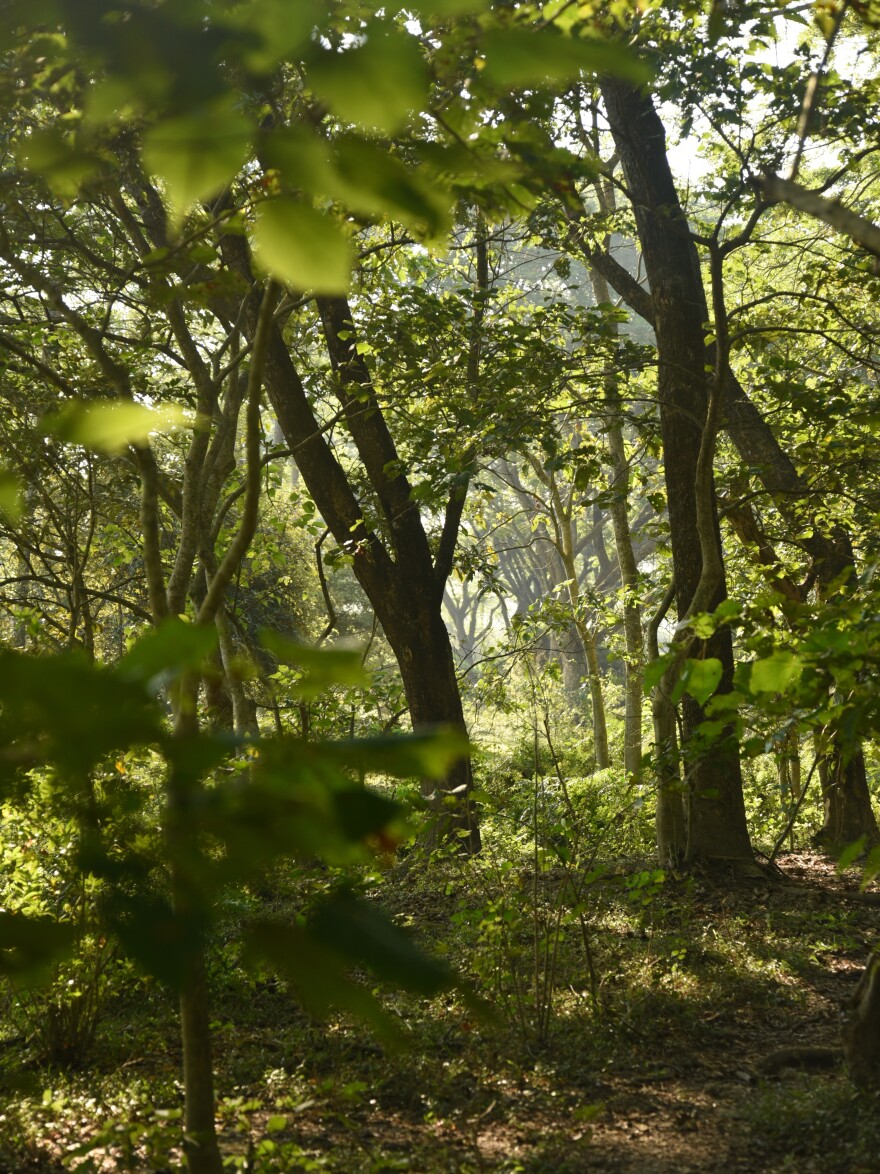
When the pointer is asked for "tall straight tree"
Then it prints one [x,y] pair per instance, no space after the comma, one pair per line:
[716,811]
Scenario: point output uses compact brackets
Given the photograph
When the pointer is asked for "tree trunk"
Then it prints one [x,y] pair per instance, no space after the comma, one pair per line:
[597,699]
[830,550]
[861,1036]
[626,559]
[717,827]
[421,645]
[200,1138]
[670,825]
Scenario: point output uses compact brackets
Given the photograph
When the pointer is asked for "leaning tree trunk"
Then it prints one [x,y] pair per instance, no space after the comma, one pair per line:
[717,828]
[421,645]
[401,578]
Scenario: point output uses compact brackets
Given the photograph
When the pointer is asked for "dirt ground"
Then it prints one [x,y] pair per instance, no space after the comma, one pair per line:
[683,1071]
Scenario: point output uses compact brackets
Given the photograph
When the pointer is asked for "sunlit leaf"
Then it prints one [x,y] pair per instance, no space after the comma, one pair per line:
[109,426]
[699,678]
[302,247]
[773,674]
[404,755]
[324,667]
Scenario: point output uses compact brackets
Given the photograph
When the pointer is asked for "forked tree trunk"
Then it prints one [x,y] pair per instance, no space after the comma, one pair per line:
[399,574]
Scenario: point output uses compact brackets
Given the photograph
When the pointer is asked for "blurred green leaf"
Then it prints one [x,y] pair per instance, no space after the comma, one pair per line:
[72,712]
[324,667]
[301,247]
[773,674]
[11,495]
[522,57]
[109,426]
[362,933]
[318,974]
[167,651]
[655,670]
[375,85]
[30,945]
[700,678]
[370,180]
[404,755]
[63,164]
[198,153]
[278,27]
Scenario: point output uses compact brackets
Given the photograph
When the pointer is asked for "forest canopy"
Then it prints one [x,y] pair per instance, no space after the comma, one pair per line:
[438,456]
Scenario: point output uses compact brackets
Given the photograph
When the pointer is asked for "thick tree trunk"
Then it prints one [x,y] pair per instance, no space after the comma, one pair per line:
[717,827]
[421,645]
[830,550]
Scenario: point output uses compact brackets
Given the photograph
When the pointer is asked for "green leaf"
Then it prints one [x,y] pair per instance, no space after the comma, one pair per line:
[109,426]
[198,154]
[773,674]
[655,670]
[699,678]
[29,945]
[302,247]
[375,85]
[523,57]
[363,933]
[317,973]
[281,26]
[370,180]
[11,495]
[851,853]
[403,755]
[441,8]
[167,651]
[63,164]
[324,667]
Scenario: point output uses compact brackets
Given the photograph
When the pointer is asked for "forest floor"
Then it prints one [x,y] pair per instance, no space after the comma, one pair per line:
[659,1054]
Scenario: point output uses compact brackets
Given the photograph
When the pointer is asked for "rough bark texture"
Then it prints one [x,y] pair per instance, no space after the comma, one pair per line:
[717,822]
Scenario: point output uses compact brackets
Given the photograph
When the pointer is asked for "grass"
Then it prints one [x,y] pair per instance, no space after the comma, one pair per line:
[659,1004]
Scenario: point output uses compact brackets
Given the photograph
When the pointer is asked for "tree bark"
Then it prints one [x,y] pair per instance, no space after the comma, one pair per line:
[626,560]
[717,827]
